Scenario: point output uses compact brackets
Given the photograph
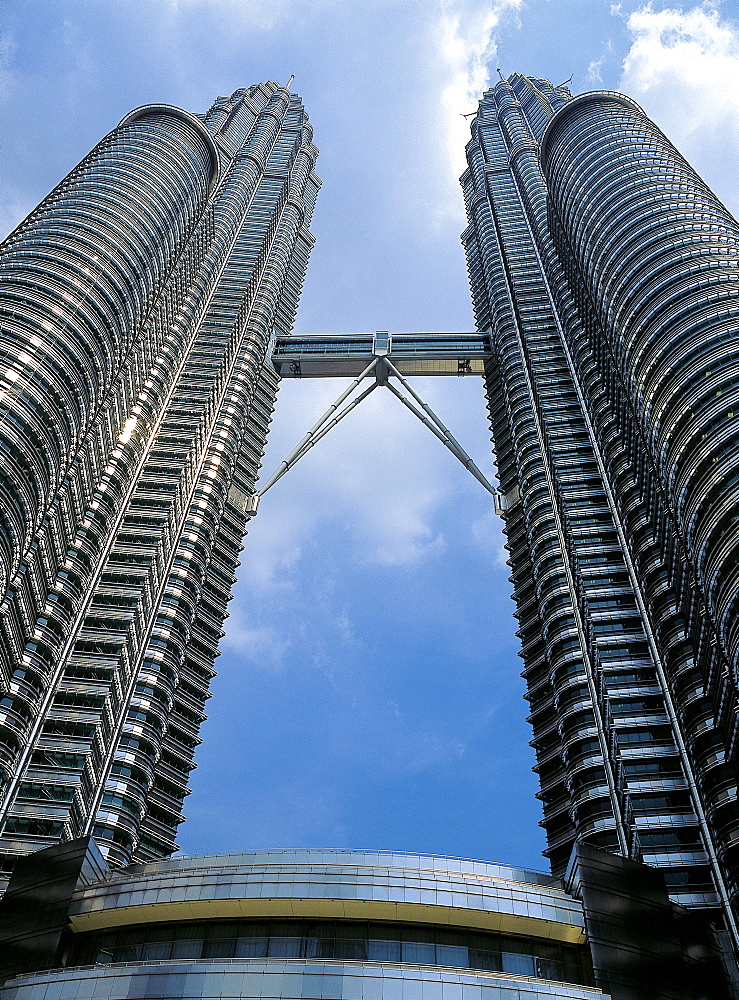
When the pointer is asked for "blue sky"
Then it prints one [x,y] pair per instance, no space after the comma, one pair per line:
[368,692]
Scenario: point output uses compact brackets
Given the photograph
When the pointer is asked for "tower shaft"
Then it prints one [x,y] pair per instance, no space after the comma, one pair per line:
[606,270]
[142,298]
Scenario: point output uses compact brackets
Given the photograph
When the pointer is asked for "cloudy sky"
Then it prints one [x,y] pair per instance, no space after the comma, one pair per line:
[368,692]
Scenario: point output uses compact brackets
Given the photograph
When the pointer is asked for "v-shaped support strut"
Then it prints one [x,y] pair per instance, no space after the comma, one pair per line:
[382,368]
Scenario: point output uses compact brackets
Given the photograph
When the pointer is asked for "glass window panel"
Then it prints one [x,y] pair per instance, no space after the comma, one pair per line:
[384,932]
[452,955]
[419,953]
[322,930]
[320,940]
[155,950]
[164,932]
[413,933]
[549,968]
[352,941]
[251,947]
[218,929]
[483,942]
[383,951]
[286,928]
[187,932]
[546,949]
[134,937]
[285,947]
[127,953]
[451,937]
[351,949]
[518,965]
[220,948]
[487,961]
[319,947]
[354,929]
[574,966]
[188,948]
[253,928]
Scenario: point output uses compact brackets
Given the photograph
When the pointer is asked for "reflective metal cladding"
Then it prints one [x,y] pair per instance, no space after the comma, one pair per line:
[138,303]
[607,272]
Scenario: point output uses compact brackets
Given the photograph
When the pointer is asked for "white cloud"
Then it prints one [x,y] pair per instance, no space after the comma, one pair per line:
[487,533]
[8,50]
[595,74]
[288,812]
[274,550]
[261,646]
[14,207]
[683,67]
[421,751]
[261,15]
[14,203]
[379,486]
[464,36]
[379,473]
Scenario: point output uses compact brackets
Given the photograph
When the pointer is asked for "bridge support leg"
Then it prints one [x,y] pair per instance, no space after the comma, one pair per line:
[322,427]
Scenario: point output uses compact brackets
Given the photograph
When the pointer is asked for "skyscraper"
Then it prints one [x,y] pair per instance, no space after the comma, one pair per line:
[607,272]
[138,305]
[147,306]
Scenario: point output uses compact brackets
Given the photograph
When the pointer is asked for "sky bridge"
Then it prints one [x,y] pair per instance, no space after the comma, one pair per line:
[380,357]
[411,353]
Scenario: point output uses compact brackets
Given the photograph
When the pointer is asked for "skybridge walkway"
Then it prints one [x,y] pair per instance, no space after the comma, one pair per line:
[411,353]
[380,357]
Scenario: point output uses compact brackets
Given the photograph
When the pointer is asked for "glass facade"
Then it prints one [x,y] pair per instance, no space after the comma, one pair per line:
[606,271]
[139,303]
[352,940]
[296,980]
[374,925]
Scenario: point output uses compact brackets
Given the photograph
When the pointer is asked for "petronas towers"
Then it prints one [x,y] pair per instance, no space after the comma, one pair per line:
[141,304]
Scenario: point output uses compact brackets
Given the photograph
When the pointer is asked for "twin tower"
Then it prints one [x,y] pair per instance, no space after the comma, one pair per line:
[147,305]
